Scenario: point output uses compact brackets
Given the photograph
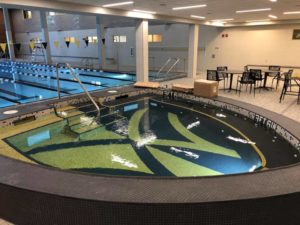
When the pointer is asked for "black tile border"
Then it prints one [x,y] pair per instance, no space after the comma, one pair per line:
[34,194]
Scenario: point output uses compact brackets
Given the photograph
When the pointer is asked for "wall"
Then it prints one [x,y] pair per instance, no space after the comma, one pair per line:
[244,45]
[268,45]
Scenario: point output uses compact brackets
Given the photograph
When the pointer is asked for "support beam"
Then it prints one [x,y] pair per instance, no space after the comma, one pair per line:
[101,42]
[45,34]
[9,38]
[142,51]
[193,50]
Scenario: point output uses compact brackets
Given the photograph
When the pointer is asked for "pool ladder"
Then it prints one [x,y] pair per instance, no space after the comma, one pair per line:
[73,73]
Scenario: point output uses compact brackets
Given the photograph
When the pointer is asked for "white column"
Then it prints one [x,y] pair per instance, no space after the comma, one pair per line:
[45,33]
[193,50]
[101,45]
[142,51]
[9,37]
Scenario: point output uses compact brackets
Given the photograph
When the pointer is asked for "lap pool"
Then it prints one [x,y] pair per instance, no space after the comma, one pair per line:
[152,136]
[24,82]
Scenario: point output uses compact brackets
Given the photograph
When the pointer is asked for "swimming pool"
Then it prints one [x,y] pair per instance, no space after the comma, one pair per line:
[25,82]
[154,136]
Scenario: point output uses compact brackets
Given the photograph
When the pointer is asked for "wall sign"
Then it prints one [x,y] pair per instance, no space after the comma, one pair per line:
[296,35]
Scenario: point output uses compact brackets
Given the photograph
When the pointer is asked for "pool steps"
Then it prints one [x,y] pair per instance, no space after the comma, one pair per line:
[82,118]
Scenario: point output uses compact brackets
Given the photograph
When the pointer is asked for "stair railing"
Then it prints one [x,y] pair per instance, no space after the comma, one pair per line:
[177,60]
[73,73]
[175,63]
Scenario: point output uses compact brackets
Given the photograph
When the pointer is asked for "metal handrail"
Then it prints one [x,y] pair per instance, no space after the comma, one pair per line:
[58,65]
[176,62]
[161,69]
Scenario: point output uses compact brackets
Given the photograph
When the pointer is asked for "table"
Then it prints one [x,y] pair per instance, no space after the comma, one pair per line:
[232,73]
[267,73]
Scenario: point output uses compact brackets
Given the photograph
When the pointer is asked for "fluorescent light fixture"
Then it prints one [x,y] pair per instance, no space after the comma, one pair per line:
[263,20]
[292,12]
[143,11]
[273,0]
[189,7]
[220,20]
[253,10]
[118,4]
[197,17]
[273,16]
[216,23]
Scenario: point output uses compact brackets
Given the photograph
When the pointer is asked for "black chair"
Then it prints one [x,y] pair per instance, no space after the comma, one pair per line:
[221,69]
[276,74]
[287,87]
[214,75]
[246,79]
[257,76]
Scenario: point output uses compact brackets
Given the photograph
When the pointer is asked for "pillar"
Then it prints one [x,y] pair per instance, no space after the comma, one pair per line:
[8,31]
[45,34]
[193,50]
[142,51]
[101,42]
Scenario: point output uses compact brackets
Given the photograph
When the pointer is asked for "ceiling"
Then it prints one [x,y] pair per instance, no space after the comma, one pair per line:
[216,9]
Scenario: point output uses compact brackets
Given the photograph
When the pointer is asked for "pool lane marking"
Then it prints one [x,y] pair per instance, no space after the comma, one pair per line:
[258,151]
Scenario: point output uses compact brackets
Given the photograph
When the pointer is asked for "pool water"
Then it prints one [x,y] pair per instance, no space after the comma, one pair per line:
[151,136]
[23,82]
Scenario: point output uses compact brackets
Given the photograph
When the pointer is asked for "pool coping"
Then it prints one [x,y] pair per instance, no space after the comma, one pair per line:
[164,190]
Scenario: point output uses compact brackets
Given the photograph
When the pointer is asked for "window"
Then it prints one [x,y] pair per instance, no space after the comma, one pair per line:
[154,38]
[93,39]
[36,40]
[27,14]
[70,39]
[121,39]
[54,13]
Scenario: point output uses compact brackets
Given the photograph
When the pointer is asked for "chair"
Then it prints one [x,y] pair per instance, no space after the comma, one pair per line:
[288,85]
[256,75]
[214,76]
[220,69]
[276,74]
[246,79]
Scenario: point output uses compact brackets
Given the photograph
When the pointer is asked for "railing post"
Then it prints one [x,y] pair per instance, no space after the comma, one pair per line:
[57,79]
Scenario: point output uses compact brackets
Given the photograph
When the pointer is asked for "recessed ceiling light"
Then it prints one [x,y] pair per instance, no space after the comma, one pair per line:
[197,17]
[189,7]
[118,4]
[273,16]
[10,112]
[112,91]
[143,11]
[253,10]
[290,13]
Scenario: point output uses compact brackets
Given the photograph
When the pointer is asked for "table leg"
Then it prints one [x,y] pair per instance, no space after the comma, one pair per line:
[265,80]
[231,78]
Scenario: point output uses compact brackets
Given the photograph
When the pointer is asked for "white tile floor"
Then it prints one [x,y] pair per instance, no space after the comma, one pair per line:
[265,99]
